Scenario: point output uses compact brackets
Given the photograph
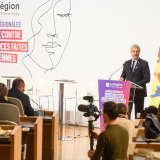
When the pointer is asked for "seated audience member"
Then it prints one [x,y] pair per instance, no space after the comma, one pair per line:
[123,120]
[122,110]
[151,109]
[3,94]
[113,142]
[17,91]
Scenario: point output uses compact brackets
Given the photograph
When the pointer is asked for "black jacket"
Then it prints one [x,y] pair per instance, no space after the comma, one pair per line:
[5,101]
[16,93]
[141,75]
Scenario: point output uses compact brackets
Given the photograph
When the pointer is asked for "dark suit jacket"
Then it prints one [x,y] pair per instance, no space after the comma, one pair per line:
[16,93]
[5,101]
[140,76]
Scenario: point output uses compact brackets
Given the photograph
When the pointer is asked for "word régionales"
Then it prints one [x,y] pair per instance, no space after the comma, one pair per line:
[8,6]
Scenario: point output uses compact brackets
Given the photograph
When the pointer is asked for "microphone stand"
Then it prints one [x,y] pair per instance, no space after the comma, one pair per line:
[116,71]
[35,102]
[40,108]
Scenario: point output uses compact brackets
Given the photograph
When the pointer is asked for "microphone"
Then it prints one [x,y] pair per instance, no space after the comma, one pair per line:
[35,102]
[116,71]
[89,98]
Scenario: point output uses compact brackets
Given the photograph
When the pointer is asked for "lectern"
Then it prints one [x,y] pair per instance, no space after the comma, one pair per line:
[133,87]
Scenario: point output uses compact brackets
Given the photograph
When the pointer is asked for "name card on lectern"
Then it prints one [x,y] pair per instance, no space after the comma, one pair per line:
[116,91]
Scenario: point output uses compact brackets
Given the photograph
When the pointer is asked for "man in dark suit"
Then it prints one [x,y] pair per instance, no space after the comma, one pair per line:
[17,91]
[137,71]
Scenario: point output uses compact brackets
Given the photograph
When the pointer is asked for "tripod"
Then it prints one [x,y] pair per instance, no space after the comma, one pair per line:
[91,127]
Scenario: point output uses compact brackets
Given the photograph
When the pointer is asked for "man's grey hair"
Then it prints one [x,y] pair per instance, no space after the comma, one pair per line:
[135,46]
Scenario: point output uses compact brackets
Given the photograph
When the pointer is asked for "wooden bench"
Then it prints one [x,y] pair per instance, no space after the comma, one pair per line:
[50,137]
[12,149]
[139,122]
[137,132]
[34,137]
[133,146]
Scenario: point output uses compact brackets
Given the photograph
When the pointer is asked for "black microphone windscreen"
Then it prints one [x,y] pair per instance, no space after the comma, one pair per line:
[89,98]
[82,108]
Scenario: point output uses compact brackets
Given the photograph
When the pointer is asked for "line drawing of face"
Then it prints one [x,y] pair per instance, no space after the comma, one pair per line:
[51,28]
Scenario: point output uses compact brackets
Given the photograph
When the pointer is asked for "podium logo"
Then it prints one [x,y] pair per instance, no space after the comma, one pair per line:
[107,84]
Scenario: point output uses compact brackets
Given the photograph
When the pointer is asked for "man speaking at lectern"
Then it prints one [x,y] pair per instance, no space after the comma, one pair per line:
[137,71]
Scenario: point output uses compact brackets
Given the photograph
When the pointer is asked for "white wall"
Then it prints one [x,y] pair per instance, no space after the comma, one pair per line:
[102,32]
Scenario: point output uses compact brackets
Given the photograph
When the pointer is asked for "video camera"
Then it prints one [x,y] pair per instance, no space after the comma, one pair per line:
[90,111]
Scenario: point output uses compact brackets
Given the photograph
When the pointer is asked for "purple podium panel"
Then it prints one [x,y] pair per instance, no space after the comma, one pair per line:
[116,91]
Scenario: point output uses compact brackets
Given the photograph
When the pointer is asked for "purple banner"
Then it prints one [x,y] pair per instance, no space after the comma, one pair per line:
[116,91]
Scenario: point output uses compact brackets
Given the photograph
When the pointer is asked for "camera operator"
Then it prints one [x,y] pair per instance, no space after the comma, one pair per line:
[113,142]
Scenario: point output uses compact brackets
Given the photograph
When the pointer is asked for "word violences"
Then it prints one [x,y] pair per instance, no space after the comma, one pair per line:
[14,46]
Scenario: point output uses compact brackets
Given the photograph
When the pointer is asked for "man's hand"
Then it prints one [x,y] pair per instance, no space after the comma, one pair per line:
[95,134]
[90,153]
[127,116]
[121,79]
[5,97]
